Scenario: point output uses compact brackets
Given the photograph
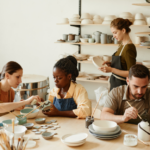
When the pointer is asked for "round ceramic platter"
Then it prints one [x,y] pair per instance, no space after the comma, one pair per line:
[74,144]
[105,138]
[74,138]
[104,133]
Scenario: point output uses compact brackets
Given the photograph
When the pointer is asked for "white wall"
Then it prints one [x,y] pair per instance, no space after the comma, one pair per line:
[28,31]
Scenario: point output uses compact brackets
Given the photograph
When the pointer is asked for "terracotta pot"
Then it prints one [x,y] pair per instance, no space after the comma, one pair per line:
[71,37]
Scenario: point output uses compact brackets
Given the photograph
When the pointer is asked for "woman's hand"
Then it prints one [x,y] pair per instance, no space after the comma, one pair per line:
[20,108]
[107,63]
[30,99]
[53,112]
[105,69]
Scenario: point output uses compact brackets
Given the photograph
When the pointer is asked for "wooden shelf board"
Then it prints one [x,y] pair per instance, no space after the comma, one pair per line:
[141,4]
[143,33]
[100,25]
[94,81]
[100,44]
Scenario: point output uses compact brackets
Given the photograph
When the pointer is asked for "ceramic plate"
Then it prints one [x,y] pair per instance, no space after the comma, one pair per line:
[105,137]
[74,144]
[74,138]
[104,133]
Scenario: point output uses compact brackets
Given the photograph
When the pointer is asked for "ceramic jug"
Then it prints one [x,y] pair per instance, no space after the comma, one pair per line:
[144,131]
[97,33]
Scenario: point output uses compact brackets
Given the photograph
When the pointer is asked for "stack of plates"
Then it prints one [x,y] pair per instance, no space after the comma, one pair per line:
[105,134]
[74,139]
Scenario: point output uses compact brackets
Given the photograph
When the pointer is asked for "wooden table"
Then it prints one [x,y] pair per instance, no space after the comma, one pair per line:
[72,125]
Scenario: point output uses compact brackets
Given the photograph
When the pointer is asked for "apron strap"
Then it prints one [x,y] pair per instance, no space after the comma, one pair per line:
[123,48]
[120,78]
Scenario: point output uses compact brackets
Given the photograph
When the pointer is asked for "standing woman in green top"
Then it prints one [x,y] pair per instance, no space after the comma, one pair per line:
[124,57]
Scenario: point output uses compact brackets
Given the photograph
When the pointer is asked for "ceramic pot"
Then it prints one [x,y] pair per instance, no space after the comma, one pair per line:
[86,35]
[103,38]
[109,38]
[97,33]
[71,37]
[91,40]
[77,38]
[65,37]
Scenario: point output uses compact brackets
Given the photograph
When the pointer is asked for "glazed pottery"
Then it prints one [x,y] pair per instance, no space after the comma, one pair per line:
[71,37]
[9,122]
[103,38]
[65,37]
[28,125]
[21,119]
[48,135]
[40,120]
[91,40]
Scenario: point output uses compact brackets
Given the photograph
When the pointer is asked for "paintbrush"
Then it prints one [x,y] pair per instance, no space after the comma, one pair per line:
[13,133]
[19,139]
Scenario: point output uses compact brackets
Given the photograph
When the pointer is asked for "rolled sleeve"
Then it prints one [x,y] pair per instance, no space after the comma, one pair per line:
[83,104]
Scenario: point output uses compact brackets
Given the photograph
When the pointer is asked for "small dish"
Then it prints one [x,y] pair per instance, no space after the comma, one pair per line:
[28,125]
[48,122]
[49,126]
[43,130]
[38,132]
[21,119]
[36,127]
[53,121]
[34,130]
[48,135]
[130,140]
[9,122]
[40,120]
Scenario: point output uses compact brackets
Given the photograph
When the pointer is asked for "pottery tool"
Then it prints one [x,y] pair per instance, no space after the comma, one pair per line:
[137,114]
[19,139]
[8,111]
[13,133]
[33,110]
[96,106]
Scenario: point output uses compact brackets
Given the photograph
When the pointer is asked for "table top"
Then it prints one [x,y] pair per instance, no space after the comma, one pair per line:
[73,125]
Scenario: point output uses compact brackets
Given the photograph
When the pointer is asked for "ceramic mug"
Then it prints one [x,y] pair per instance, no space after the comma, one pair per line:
[91,40]
[71,37]
[138,39]
[97,33]
[65,37]
[86,35]
[103,38]
[77,38]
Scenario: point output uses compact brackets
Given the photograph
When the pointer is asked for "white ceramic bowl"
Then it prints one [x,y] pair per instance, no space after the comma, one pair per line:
[84,40]
[104,125]
[75,22]
[97,21]
[75,16]
[86,21]
[97,61]
[125,14]
[31,115]
[139,16]
[139,22]
[9,122]
[85,16]
[107,58]
[146,62]
[64,20]
[19,131]
[74,19]
[109,17]
[97,17]
[106,22]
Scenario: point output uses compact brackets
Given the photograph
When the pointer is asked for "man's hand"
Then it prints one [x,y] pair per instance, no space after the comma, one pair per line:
[130,113]
[53,112]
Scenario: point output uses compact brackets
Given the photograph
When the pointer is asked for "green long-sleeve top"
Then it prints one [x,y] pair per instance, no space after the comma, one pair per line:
[128,56]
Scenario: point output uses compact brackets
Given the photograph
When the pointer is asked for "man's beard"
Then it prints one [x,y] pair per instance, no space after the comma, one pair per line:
[134,95]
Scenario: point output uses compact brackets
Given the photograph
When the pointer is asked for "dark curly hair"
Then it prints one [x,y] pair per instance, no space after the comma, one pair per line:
[121,23]
[69,66]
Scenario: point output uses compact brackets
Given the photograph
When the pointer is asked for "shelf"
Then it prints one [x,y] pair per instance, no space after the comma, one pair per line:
[141,4]
[100,25]
[94,81]
[87,44]
[139,46]
[143,33]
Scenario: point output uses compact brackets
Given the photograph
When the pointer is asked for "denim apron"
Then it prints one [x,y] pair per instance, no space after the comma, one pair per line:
[64,104]
[116,80]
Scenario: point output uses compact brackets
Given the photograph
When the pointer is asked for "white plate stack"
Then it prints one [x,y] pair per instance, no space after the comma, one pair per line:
[139,19]
[108,19]
[75,19]
[126,15]
[74,139]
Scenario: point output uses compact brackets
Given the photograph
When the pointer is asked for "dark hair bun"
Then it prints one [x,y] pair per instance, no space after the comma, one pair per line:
[121,23]
[72,59]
